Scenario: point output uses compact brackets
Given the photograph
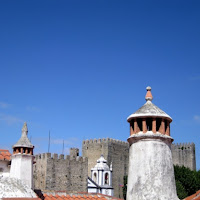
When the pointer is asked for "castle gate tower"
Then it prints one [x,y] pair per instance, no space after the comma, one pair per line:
[22,159]
[151,172]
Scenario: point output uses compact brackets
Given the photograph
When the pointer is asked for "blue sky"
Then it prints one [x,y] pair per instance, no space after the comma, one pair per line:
[80,68]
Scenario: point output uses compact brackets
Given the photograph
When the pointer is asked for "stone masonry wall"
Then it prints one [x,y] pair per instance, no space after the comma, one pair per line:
[117,152]
[59,173]
[184,155]
[114,151]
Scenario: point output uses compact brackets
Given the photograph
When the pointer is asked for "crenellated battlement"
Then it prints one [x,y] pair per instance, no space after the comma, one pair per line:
[57,157]
[183,154]
[105,140]
[183,146]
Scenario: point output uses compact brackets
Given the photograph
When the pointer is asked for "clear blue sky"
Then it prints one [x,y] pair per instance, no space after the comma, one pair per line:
[80,68]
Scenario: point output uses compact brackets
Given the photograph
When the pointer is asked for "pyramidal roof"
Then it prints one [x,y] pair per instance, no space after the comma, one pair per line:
[149,109]
[24,141]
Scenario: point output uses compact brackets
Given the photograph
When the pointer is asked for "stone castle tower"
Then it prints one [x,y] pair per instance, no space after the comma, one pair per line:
[184,155]
[151,172]
[22,159]
[115,152]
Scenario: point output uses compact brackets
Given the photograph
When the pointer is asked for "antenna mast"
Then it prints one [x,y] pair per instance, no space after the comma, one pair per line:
[63,148]
[49,142]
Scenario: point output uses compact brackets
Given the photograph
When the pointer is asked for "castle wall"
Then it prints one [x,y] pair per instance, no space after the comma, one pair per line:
[184,155]
[4,168]
[39,171]
[115,152]
[53,172]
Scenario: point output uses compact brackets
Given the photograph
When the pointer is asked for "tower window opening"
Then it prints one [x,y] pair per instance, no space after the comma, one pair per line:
[149,124]
[106,178]
[132,126]
[95,177]
[158,123]
[24,150]
[139,122]
[166,125]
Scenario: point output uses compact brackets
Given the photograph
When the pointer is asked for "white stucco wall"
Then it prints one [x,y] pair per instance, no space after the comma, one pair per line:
[107,192]
[15,188]
[22,168]
[151,172]
[93,190]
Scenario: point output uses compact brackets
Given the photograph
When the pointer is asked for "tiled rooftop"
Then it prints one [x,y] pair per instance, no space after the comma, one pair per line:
[5,155]
[75,196]
[195,196]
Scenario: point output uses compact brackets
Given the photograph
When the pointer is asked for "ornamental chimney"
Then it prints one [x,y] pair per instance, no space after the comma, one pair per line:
[22,159]
[151,172]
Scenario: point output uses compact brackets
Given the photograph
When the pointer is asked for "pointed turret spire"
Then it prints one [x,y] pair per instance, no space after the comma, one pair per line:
[24,141]
[25,129]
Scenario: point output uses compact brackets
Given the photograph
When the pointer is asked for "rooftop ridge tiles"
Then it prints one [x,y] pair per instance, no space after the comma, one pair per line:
[5,155]
[4,150]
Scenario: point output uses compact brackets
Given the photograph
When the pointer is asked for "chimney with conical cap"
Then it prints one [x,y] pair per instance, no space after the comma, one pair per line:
[22,159]
[151,172]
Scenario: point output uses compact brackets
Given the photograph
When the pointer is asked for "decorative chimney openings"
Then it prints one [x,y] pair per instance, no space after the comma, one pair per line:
[149,118]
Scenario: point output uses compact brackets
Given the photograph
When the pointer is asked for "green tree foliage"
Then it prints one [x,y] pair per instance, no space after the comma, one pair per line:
[180,190]
[187,181]
[125,186]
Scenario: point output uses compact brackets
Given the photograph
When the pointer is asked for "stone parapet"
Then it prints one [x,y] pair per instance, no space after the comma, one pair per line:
[104,140]
[59,172]
[57,157]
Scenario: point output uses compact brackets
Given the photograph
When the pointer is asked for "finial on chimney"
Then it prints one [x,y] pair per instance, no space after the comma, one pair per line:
[148,96]
[25,129]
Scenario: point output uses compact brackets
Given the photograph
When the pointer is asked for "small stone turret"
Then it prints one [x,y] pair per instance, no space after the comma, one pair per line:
[151,172]
[22,159]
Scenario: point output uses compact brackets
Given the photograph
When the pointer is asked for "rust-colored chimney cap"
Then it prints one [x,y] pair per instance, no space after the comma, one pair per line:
[148,96]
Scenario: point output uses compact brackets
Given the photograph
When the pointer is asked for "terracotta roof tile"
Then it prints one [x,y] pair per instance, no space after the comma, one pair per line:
[195,196]
[88,196]
[5,155]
